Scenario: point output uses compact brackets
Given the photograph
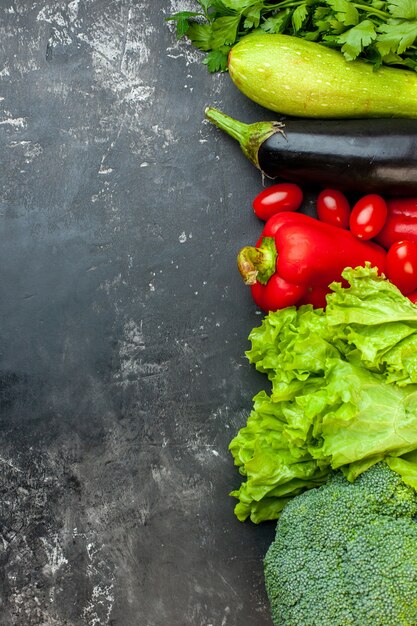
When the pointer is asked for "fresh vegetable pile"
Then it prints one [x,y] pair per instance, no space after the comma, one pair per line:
[329,449]
[297,256]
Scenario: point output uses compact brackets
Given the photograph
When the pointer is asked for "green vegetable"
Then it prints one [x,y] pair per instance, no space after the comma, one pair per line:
[303,78]
[346,554]
[343,394]
[382,32]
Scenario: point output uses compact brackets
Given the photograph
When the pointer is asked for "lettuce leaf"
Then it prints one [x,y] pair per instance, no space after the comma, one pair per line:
[343,394]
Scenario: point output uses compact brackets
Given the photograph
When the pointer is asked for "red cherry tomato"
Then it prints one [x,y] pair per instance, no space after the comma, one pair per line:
[333,208]
[277,198]
[401,221]
[368,216]
[401,265]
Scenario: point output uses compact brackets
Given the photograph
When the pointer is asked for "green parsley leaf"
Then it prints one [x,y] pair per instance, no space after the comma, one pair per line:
[200,36]
[219,8]
[321,19]
[396,37]
[253,16]
[396,59]
[336,26]
[182,18]
[384,32]
[299,17]
[407,62]
[346,11]
[312,35]
[224,30]
[277,23]
[378,4]
[238,5]
[216,61]
[405,9]
[357,38]
[205,4]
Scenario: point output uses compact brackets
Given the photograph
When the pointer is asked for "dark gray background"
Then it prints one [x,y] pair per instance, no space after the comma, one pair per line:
[123,324]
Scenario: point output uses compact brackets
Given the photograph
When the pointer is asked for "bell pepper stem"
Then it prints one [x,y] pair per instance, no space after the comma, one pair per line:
[249,136]
[247,260]
[258,264]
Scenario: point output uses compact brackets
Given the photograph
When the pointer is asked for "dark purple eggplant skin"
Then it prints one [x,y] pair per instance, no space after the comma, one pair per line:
[371,156]
[352,155]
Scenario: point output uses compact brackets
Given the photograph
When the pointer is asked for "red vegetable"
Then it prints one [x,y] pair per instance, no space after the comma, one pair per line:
[401,222]
[306,254]
[368,216]
[333,208]
[316,296]
[277,198]
[401,265]
[276,294]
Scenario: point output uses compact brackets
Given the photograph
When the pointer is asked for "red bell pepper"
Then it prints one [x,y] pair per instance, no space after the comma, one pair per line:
[297,257]
[401,222]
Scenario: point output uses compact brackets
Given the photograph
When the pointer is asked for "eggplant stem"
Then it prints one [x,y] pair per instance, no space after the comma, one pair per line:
[250,136]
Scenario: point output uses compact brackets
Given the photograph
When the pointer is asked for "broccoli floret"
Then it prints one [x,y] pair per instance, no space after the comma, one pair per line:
[345,554]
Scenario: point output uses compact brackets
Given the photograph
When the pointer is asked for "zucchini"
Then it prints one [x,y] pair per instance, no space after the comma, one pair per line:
[301,78]
[357,155]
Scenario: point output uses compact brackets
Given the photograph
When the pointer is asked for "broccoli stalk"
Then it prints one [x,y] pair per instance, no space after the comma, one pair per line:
[345,554]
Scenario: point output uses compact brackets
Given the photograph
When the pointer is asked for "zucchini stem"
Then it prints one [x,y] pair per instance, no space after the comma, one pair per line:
[249,136]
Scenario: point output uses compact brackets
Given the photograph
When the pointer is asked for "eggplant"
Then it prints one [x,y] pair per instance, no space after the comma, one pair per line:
[352,155]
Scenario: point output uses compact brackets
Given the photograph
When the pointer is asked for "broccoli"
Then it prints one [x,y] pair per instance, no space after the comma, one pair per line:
[345,554]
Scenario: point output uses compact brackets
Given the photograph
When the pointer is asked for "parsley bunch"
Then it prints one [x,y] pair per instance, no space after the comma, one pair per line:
[383,32]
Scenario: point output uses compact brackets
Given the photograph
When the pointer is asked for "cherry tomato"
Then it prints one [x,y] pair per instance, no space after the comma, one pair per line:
[401,221]
[333,208]
[401,265]
[368,216]
[277,198]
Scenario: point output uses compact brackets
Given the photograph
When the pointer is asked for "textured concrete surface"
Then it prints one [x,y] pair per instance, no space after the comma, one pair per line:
[123,324]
